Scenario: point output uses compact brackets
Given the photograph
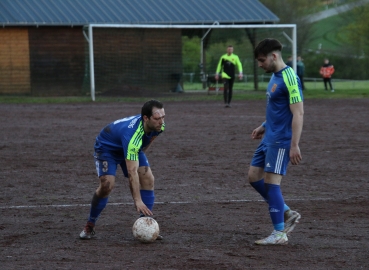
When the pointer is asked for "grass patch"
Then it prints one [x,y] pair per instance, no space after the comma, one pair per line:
[200,96]
[331,34]
[194,92]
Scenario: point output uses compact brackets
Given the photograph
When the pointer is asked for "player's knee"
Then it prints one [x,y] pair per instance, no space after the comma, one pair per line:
[255,174]
[251,178]
[147,182]
[106,186]
[150,182]
[146,178]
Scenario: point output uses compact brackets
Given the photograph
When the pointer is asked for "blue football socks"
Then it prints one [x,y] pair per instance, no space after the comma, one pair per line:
[148,198]
[276,206]
[97,205]
[259,186]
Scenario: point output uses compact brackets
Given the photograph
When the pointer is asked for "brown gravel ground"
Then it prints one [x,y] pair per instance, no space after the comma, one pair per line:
[208,214]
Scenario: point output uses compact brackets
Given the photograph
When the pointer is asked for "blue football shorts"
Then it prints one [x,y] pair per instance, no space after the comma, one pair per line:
[273,158]
[107,162]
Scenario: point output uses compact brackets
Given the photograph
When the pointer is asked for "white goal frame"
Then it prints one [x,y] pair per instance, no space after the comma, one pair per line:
[216,25]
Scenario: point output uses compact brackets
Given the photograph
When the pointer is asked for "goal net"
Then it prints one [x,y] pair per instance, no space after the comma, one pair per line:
[142,60]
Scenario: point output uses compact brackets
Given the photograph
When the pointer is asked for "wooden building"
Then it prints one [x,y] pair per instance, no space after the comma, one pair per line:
[43,51]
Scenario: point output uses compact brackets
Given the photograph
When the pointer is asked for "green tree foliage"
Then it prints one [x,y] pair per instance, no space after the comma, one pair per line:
[358,31]
[215,46]
[218,42]
[349,33]
[293,12]
[346,67]
[191,54]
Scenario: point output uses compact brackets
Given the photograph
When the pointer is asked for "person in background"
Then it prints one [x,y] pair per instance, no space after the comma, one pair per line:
[280,134]
[327,71]
[124,142]
[300,66]
[226,70]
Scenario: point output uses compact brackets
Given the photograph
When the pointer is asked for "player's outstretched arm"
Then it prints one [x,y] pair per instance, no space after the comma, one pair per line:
[134,185]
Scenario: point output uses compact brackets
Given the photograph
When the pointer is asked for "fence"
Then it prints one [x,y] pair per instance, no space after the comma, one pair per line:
[191,81]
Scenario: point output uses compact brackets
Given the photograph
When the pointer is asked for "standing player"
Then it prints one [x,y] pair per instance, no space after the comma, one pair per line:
[226,66]
[123,142]
[282,131]
[327,71]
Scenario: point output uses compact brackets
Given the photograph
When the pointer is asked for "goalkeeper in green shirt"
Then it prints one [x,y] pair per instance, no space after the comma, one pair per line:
[226,70]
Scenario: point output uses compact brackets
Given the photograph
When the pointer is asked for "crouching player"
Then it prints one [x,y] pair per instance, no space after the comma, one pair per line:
[123,142]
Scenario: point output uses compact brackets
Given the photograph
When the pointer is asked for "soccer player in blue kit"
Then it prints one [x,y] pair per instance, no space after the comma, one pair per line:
[123,142]
[281,134]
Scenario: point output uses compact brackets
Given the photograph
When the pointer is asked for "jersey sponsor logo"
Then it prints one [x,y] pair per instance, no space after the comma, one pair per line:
[268,98]
[133,122]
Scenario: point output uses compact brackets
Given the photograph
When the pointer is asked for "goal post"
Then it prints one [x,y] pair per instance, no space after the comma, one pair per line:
[132,58]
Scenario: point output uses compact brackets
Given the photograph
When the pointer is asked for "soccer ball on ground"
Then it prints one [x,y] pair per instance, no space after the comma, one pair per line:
[145,229]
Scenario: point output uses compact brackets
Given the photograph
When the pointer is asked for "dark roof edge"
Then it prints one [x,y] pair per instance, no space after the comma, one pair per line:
[36,24]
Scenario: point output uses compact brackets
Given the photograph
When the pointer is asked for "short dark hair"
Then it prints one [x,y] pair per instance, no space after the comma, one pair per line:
[147,107]
[267,46]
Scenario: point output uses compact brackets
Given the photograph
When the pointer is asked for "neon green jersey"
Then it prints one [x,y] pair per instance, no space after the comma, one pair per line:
[227,65]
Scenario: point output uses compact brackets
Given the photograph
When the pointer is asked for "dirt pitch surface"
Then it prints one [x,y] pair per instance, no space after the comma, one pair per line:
[207,212]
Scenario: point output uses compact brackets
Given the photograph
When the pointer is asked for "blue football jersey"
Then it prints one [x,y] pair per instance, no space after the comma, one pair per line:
[284,88]
[126,137]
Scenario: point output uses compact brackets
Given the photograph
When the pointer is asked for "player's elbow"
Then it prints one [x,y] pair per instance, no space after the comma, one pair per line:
[300,112]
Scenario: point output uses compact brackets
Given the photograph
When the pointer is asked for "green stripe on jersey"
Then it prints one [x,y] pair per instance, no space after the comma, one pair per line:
[289,78]
[135,143]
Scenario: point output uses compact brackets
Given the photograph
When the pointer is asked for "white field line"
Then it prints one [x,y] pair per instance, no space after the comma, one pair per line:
[129,203]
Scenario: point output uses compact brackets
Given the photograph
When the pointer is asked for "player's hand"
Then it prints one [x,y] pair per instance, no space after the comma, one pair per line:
[216,77]
[240,76]
[142,208]
[295,155]
[258,133]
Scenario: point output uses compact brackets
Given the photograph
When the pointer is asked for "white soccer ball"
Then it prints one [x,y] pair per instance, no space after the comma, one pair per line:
[145,229]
